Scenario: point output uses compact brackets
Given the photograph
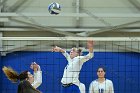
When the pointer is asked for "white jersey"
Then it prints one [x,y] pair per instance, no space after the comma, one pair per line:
[104,87]
[72,70]
[37,78]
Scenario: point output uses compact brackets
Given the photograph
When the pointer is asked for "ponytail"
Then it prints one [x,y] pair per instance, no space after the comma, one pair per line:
[79,51]
[11,74]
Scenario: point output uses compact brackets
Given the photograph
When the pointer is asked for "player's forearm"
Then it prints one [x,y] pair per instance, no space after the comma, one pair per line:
[89,55]
[62,50]
[37,79]
[58,49]
[91,50]
[90,45]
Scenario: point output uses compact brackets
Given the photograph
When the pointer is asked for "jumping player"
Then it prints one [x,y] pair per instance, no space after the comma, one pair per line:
[72,70]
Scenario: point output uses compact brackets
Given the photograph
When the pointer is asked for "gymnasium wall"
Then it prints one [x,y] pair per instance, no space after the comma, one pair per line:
[122,68]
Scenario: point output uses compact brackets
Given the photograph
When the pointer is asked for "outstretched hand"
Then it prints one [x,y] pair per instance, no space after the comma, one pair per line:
[57,49]
[90,45]
[34,66]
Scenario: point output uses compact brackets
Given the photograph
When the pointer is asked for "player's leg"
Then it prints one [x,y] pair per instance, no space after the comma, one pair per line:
[82,87]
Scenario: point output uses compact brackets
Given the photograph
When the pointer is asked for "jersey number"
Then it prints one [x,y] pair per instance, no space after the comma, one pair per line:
[101,90]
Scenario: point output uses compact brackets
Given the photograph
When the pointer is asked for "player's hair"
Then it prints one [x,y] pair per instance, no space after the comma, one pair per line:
[24,85]
[102,68]
[79,50]
[13,76]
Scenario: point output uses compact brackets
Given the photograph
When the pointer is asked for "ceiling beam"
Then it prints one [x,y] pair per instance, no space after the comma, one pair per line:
[3,2]
[77,11]
[64,29]
[73,38]
[2,5]
[34,29]
[112,28]
[1,48]
[44,28]
[100,15]
[4,20]
[16,5]
[135,3]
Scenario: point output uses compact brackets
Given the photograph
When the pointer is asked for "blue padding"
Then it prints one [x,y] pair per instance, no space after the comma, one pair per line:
[122,68]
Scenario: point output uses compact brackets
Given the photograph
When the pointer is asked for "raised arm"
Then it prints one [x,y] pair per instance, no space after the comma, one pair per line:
[58,49]
[37,75]
[90,46]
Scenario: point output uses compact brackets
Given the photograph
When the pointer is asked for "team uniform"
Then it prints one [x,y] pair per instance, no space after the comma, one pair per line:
[104,87]
[72,70]
[37,78]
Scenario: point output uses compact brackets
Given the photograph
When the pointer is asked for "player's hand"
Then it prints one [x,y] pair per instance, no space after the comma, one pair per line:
[90,43]
[56,49]
[34,66]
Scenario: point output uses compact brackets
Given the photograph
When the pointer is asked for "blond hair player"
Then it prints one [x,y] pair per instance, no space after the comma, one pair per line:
[71,73]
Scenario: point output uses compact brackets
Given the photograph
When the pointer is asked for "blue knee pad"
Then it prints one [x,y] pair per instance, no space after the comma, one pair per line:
[70,89]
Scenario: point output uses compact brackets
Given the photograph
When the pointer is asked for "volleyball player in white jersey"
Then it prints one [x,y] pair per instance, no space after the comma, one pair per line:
[75,62]
[101,85]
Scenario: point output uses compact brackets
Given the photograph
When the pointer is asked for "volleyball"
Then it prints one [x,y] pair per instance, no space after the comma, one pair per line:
[54,8]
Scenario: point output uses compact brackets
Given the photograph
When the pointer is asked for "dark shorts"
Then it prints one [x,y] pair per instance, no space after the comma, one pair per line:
[69,88]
